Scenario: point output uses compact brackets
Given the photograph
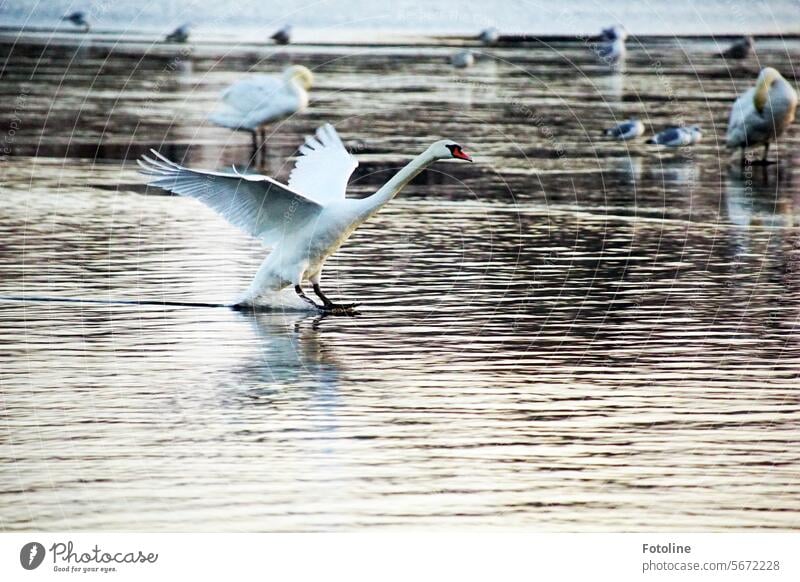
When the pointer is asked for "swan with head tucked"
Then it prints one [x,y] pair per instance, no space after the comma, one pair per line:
[251,103]
[761,113]
[304,221]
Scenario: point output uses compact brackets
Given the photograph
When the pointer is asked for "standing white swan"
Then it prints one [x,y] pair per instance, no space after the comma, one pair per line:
[761,113]
[305,221]
[250,103]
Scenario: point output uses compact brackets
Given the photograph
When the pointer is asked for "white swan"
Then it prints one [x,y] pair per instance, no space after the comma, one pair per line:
[761,113]
[304,221]
[283,36]
[250,103]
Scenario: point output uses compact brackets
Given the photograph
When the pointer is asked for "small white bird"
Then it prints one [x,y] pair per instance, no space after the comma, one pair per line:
[304,221]
[250,103]
[761,113]
[611,49]
[283,36]
[677,136]
[179,35]
[78,19]
[626,130]
[462,59]
[489,35]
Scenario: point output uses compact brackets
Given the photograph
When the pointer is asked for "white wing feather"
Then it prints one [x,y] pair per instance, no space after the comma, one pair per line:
[324,167]
[259,205]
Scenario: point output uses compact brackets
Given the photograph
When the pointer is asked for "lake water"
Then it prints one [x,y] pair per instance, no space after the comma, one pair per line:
[569,334]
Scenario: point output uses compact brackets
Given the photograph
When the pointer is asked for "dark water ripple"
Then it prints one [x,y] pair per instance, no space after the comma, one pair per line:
[603,339]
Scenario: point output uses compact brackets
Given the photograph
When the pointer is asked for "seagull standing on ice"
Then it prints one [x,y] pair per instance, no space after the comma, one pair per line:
[304,221]
[626,130]
[675,137]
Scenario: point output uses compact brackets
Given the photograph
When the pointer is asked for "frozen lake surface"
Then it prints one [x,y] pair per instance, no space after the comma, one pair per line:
[570,334]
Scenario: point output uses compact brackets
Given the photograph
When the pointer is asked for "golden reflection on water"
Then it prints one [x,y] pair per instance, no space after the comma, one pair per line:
[606,339]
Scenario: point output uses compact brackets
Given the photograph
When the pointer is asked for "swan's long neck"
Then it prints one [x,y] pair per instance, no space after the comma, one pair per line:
[399,181]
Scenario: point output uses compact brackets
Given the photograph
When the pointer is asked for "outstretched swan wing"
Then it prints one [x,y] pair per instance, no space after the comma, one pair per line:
[324,167]
[259,205]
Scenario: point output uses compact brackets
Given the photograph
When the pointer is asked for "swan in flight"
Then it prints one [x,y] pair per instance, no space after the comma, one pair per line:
[304,221]
[462,59]
[283,36]
[626,130]
[675,137]
[250,103]
[78,19]
[761,113]
[180,34]
[740,49]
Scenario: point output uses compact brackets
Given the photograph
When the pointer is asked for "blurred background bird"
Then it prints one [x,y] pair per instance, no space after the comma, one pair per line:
[626,130]
[462,59]
[489,35]
[78,19]
[741,49]
[251,103]
[180,34]
[283,36]
[674,137]
[761,113]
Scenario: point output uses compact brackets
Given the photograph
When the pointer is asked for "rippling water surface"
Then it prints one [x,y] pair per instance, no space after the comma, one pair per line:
[569,334]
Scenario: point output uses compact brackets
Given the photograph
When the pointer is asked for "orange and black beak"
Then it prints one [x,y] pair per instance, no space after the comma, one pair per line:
[462,155]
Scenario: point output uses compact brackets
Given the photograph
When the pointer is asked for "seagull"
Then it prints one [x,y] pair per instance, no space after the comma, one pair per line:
[78,19]
[180,34]
[761,113]
[612,50]
[740,49]
[626,130]
[489,35]
[304,221]
[250,103]
[283,36]
[675,137]
[462,59]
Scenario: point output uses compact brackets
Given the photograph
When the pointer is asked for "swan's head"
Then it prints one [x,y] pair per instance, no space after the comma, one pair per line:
[300,74]
[447,149]
[766,78]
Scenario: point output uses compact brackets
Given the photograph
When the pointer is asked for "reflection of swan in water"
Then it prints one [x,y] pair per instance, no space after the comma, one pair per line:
[753,200]
[292,353]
